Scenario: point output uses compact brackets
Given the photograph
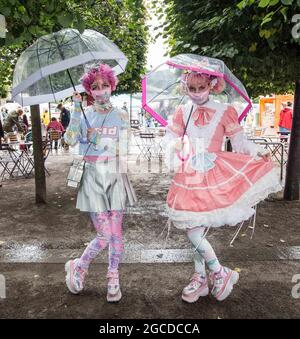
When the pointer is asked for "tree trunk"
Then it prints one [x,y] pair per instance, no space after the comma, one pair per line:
[291,189]
[39,170]
[130,110]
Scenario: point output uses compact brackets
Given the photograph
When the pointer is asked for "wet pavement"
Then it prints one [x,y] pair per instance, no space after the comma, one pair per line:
[149,291]
[35,242]
[34,254]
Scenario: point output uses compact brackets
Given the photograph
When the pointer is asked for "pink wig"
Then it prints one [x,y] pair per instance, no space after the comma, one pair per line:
[218,88]
[103,71]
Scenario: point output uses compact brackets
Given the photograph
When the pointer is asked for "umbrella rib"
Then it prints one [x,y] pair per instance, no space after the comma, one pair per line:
[51,42]
[71,80]
[43,38]
[46,49]
[93,54]
[163,91]
[63,38]
[67,43]
[181,99]
[38,58]
[120,66]
[187,123]
[50,80]
[78,35]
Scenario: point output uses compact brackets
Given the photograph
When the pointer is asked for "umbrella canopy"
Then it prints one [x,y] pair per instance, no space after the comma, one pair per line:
[43,71]
[164,84]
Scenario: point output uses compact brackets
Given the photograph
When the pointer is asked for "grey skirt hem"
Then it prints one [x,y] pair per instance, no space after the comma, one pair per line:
[101,189]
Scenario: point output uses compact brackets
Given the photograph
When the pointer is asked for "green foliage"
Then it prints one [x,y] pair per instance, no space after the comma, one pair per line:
[8,58]
[121,21]
[124,23]
[252,37]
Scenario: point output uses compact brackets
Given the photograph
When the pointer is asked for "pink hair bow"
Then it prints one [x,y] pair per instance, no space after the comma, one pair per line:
[202,116]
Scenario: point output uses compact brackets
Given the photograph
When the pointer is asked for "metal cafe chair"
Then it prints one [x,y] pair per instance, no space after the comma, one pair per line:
[55,136]
[148,148]
[46,144]
[10,162]
[6,163]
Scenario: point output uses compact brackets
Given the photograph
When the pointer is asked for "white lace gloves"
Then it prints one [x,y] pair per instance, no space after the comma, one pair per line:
[176,149]
[241,144]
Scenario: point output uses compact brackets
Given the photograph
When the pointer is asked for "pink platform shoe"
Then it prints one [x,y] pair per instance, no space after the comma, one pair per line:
[75,276]
[223,282]
[113,287]
[197,288]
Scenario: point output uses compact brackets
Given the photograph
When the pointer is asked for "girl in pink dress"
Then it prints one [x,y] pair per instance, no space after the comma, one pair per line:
[212,187]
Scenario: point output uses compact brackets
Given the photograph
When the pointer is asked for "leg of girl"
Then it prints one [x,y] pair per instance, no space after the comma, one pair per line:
[198,286]
[221,277]
[77,269]
[116,249]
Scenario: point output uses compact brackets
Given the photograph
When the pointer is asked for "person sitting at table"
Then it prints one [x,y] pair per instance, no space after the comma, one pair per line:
[12,121]
[56,126]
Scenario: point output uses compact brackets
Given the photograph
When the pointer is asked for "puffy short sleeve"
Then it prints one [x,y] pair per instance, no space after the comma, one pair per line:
[235,132]
[174,132]
[176,125]
[231,122]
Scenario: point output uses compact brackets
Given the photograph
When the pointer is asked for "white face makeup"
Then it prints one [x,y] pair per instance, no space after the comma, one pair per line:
[198,89]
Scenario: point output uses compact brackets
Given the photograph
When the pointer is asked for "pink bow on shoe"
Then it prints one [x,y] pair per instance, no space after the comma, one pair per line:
[202,116]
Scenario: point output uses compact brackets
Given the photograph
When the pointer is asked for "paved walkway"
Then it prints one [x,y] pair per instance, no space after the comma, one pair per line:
[35,242]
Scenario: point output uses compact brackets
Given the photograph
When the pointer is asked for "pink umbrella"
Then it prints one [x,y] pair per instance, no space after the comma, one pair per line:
[162,87]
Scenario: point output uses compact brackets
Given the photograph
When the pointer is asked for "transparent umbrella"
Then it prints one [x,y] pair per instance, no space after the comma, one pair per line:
[162,87]
[49,70]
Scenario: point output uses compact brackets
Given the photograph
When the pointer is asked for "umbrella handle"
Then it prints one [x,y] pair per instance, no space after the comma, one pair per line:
[182,158]
[186,126]
[184,132]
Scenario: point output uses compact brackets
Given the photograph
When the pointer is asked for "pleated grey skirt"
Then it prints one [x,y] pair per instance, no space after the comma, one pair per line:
[102,189]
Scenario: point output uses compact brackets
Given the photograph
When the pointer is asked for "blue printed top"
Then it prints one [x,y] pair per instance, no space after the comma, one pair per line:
[109,136]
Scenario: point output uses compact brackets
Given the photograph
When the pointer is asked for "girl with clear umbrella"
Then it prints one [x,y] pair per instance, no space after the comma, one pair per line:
[211,186]
[104,189]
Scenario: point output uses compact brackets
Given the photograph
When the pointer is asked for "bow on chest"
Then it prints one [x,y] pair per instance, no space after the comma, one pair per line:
[202,116]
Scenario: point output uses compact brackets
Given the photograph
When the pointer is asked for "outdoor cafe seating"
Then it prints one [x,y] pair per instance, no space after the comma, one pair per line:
[56,138]
[16,158]
[148,141]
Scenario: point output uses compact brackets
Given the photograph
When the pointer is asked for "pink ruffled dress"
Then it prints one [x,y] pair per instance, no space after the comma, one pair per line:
[212,187]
